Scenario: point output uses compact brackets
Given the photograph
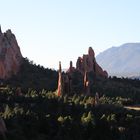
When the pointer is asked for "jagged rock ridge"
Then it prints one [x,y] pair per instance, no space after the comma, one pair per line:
[88,63]
[10,55]
[85,67]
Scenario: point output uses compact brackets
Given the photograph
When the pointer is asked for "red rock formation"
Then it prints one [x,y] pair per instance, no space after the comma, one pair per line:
[88,64]
[85,66]
[86,84]
[10,55]
[79,64]
[60,84]
[71,68]
[64,80]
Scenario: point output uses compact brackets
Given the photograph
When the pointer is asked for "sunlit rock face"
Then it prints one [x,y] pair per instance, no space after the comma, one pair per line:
[88,63]
[10,55]
[81,78]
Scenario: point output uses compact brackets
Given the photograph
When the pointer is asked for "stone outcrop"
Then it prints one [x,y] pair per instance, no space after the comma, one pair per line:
[10,55]
[87,70]
[59,89]
[87,63]
[64,80]
[87,84]
[71,68]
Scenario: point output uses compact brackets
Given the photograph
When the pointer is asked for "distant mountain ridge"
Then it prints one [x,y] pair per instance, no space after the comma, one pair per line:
[122,60]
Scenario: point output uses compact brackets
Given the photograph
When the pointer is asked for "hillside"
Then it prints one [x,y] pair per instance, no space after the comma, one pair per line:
[41,115]
[81,105]
[122,60]
[34,77]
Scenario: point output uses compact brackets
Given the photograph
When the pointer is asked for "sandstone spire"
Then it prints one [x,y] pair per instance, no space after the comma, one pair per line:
[86,84]
[91,52]
[85,79]
[60,69]
[71,65]
[88,63]
[60,84]
[71,68]
[10,55]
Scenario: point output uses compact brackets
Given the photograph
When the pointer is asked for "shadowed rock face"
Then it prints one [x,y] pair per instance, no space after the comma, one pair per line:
[10,55]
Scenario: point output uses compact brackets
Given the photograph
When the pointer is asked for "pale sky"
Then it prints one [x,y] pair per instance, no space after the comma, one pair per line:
[49,31]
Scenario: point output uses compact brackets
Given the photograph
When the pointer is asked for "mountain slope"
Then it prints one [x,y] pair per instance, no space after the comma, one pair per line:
[122,60]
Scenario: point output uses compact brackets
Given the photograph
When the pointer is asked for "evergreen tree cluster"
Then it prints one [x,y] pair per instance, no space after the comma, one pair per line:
[43,115]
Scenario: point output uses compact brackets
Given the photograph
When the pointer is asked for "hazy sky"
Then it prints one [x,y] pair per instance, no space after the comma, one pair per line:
[52,30]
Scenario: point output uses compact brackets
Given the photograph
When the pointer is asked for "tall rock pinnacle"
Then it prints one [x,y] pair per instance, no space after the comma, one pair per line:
[91,52]
[87,63]
[10,55]
[60,84]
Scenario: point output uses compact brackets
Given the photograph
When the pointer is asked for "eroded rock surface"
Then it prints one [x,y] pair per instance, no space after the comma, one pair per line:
[82,77]
[88,63]
[10,55]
